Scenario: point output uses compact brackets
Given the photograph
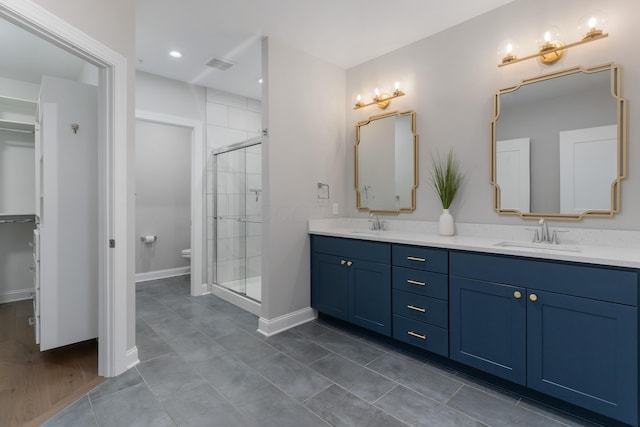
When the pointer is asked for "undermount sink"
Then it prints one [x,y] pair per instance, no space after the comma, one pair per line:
[541,246]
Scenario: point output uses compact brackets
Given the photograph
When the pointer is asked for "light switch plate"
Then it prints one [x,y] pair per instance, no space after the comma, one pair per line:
[336,209]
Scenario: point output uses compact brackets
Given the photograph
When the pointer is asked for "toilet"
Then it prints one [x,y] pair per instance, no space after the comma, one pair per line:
[186,254]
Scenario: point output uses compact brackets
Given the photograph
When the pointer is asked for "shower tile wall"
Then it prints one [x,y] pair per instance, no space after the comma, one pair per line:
[232,118]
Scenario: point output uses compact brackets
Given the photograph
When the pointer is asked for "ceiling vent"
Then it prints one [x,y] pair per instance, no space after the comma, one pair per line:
[220,64]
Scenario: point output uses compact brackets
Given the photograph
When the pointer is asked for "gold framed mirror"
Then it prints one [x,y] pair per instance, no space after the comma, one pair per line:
[386,163]
[559,145]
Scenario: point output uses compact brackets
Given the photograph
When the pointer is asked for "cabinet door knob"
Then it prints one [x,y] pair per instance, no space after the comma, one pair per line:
[343,262]
[517,294]
[533,297]
[349,263]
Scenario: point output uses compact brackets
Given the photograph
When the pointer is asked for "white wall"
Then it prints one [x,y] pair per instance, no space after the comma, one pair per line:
[163,195]
[18,89]
[451,77]
[305,145]
[170,97]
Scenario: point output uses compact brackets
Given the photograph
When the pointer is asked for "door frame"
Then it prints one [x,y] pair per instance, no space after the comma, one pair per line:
[114,276]
[197,189]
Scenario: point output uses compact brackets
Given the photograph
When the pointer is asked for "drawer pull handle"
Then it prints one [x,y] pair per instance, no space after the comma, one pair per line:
[349,263]
[415,282]
[413,334]
[413,258]
[414,308]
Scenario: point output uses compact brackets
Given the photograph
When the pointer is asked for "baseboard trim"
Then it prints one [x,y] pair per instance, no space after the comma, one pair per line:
[162,274]
[270,327]
[205,289]
[244,303]
[17,295]
[131,358]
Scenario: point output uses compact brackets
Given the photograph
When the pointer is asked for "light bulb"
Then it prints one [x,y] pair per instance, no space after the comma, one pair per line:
[507,51]
[397,91]
[549,38]
[592,24]
[549,46]
[359,102]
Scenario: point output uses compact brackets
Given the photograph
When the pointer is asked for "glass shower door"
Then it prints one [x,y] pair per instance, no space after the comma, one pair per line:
[237,219]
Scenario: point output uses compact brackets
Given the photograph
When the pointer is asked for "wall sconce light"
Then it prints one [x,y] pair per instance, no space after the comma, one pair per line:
[550,48]
[382,100]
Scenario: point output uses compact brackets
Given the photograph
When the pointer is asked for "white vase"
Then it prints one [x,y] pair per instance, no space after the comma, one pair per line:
[445,224]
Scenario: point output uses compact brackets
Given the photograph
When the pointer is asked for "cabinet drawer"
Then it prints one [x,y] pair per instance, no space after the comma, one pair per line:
[595,282]
[429,259]
[352,248]
[423,335]
[421,282]
[421,308]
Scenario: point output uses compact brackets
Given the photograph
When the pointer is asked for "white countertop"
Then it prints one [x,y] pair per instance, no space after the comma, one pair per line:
[425,234]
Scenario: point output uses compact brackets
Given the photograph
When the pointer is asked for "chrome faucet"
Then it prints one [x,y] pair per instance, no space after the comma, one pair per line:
[376,224]
[544,232]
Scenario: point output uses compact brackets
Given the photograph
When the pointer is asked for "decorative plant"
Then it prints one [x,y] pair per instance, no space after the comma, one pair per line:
[446,177]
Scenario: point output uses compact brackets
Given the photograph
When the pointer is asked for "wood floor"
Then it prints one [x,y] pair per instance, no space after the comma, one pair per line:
[34,385]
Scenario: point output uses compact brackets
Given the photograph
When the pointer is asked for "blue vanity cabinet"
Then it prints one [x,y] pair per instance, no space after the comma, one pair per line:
[488,325]
[567,330]
[329,285]
[585,352]
[351,280]
[420,297]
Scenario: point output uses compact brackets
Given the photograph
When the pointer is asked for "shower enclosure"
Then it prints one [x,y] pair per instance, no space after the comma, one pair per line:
[235,218]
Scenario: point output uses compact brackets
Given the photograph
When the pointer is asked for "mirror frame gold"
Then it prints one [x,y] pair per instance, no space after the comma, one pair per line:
[621,105]
[411,208]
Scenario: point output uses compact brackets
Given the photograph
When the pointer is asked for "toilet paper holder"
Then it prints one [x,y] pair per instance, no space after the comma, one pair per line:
[148,239]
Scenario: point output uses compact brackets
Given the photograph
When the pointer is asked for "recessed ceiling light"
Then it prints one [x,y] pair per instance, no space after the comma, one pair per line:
[175,54]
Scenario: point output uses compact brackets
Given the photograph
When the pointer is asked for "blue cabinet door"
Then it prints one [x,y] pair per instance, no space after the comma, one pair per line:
[584,352]
[487,327]
[370,295]
[330,285]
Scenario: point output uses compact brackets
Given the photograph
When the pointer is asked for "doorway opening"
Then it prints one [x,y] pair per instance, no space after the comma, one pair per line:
[114,356]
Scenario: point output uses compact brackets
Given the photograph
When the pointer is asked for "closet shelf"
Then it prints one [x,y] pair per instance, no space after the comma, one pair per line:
[17,126]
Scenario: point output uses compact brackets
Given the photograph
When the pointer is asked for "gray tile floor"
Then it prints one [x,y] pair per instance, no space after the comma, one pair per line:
[204,364]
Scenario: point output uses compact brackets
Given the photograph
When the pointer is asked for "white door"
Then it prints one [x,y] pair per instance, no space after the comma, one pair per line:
[69,252]
[588,166]
[513,174]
